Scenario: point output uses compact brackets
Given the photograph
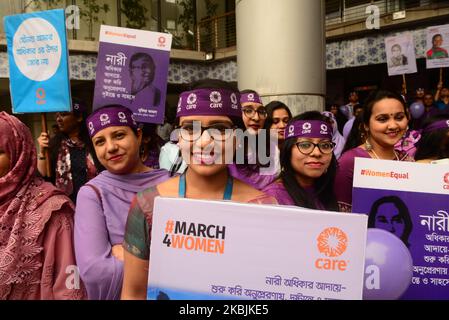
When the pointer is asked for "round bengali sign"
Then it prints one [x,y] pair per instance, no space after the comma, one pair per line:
[37,49]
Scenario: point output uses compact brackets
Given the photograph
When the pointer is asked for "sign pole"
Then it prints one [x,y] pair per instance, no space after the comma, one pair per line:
[46,153]
[404,84]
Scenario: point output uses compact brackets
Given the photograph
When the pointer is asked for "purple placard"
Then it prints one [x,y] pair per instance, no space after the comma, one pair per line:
[133,76]
[428,240]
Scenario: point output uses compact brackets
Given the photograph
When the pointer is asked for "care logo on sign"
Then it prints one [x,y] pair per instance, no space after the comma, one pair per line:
[332,242]
[194,236]
[446,181]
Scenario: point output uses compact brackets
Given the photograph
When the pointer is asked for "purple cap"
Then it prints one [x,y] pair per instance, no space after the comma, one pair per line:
[308,129]
[250,97]
[437,125]
[209,102]
[110,116]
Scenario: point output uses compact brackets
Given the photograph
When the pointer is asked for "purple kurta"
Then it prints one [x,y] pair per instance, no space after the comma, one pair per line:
[278,191]
[250,174]
[99,225]
[345,177]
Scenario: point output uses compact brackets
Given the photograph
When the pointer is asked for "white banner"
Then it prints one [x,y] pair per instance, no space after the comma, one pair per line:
[226,250]
[401,58]
[437,47]
[405,176]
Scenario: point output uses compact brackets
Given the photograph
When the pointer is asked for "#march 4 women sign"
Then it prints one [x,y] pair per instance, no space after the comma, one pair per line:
[410,200]
[225,250]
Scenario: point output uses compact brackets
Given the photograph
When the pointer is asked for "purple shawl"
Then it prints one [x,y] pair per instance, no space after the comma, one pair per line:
[100,224]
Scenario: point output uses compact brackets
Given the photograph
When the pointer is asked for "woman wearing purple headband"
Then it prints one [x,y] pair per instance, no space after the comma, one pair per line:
[384,121]
[103,203]
[208,117]
[253,169]
[308,164]
[434,143]
[253,111]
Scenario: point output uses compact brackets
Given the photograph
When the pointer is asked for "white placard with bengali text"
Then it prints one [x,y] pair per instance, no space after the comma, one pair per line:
[226,250]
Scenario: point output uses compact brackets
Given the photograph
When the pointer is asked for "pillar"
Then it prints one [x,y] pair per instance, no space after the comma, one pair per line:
[281,51]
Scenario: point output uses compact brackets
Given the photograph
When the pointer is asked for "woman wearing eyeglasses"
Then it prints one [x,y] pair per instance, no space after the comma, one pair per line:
[308,164]
[208,117]
[260,164]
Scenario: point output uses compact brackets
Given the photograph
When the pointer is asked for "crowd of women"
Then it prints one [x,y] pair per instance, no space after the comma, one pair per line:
[94,209]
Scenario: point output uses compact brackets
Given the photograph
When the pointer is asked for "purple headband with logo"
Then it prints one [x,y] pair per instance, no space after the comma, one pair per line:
[250,97]
[437,125]
[111,116]
[308,129]
[209,102]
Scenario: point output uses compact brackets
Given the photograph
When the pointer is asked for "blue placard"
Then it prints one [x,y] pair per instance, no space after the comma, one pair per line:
[38,62]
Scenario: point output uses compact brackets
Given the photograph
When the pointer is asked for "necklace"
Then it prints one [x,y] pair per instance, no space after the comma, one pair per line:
[377,157]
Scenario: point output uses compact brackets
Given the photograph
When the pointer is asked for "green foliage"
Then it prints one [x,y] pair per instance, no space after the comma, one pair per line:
[37,4]
[135,11]
[211,8]
[90,14]
[187,19]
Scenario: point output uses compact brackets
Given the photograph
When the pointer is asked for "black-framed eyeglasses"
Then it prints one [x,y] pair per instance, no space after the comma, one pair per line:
[250,112]
[307,147]
[218,131]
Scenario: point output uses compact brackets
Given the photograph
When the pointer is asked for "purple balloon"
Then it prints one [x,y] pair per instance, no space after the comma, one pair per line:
[388,266]
[417,109]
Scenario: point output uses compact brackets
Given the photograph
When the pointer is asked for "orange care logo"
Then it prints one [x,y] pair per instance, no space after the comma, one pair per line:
[161,41]
[40,95]
[332,242]
[446,181]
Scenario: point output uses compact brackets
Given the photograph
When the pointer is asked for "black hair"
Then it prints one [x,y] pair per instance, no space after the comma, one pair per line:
[433,144]
[435,36]
[55,142]
[140,55]
[324,185]
[377,96]
[271,107]
[149,130]
[396,46]
[403,212]
[356,136]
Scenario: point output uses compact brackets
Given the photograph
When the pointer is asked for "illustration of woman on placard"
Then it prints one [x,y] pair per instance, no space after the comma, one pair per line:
[391,214]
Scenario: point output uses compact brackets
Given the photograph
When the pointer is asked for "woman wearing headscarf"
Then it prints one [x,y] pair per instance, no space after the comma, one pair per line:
[36,224]
[103,203]
[337,138]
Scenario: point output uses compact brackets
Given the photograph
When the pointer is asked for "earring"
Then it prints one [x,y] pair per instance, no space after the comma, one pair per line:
[368,145]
